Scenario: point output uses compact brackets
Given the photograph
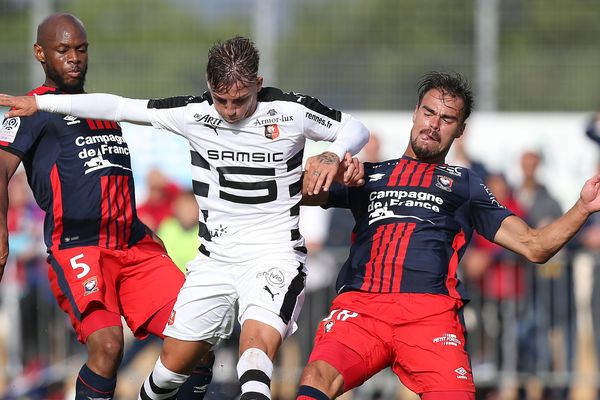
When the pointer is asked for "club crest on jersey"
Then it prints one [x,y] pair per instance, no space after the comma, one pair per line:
[171,320]
[272,131]
[90,286]
[444,183]
[9,129]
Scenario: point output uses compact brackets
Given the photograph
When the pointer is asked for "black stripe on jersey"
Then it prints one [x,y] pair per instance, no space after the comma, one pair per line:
[295,234]
[200,188]
[295,188]
[255,375]
[203,250]
[204,214]
[174,102]
[203,232]
[273,94]
[301,249]
[291,296]
[198,160]
[295,210]
[295,161]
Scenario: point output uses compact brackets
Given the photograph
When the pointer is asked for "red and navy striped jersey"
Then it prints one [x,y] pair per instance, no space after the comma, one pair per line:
[80,173]
[413,223]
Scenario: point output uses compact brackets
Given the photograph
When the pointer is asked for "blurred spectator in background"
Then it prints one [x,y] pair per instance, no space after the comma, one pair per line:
[160,197]
[497,274]
[179,232]
[546,336]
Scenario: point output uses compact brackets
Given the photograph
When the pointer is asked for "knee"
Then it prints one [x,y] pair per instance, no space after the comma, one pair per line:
[323,377]
[105,354]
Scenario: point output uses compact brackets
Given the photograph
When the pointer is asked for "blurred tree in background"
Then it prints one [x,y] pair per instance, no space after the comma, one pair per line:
[359,54]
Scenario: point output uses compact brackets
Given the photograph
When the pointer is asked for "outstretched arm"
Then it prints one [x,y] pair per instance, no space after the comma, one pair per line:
[539,245]
[94,106]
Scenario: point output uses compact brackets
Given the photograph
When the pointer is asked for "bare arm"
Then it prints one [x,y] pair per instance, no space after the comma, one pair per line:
[539,245]
[8,165]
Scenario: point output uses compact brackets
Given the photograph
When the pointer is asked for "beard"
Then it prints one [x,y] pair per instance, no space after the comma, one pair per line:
[73,85]
[422,152]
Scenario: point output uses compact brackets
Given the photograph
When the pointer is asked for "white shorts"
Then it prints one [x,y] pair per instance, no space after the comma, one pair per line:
[269,290]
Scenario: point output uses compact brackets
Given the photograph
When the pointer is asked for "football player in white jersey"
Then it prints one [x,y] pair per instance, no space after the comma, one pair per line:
[247,143]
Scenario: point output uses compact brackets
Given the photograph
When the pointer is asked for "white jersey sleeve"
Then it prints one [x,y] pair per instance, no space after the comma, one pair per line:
[324,123]
[96,106]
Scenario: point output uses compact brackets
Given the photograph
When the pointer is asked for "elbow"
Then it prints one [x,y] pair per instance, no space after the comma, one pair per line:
[539,257]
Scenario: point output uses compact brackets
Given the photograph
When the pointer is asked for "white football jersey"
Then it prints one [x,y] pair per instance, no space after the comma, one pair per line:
[247,176]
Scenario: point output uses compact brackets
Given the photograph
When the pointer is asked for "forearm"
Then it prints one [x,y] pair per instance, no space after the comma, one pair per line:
[547,241]
[97,106]
[352,136]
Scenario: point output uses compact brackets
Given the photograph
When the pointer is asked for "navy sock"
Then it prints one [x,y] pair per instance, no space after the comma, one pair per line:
[93,386]
[196,385]
[308,392]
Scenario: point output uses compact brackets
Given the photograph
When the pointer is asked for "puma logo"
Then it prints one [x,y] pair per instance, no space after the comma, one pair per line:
[271,293]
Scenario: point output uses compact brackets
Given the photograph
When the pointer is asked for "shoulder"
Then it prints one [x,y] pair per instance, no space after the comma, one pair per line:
[313,104]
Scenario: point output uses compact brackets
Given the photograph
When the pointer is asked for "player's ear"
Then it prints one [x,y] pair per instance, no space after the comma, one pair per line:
[259,83]
[461,130]
[39,54]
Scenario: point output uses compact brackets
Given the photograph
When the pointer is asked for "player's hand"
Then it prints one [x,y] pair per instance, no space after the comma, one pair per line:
[590,194]
[20,106]
[320,171]
[351,171]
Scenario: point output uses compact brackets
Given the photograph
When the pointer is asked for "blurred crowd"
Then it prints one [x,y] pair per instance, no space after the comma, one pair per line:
[533,332]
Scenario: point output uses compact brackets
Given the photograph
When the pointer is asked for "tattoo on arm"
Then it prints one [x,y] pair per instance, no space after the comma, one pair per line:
[327,158]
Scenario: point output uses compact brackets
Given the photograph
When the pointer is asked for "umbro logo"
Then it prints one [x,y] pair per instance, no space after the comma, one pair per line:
[71,120]
[375,177]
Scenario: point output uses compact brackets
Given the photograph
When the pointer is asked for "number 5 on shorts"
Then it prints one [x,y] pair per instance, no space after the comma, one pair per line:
[84,267]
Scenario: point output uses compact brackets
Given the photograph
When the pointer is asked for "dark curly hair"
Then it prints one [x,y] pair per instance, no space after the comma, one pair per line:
[449,84]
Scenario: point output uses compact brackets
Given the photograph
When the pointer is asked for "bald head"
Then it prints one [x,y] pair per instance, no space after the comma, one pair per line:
[55,26]
[61,48]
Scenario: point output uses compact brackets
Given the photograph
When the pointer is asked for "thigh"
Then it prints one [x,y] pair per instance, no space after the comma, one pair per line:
[430,353]
[148,281]
[205,306]
[353,342]
[80,282]
[271,291]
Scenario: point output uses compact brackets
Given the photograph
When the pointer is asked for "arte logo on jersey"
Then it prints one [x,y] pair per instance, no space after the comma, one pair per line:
[90,286]
[9,129]
[272,131]
[444,183]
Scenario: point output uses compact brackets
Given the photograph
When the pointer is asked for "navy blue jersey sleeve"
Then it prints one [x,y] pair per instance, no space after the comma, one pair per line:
[18,134]
[485,210]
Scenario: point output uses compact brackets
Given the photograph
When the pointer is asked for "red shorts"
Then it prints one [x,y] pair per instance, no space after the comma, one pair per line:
[135,283]
[419,336]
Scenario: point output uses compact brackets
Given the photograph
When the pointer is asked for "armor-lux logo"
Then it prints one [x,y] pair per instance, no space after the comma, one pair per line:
[98,124]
